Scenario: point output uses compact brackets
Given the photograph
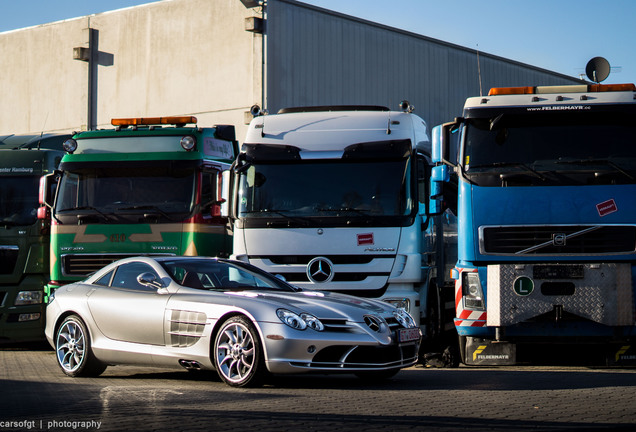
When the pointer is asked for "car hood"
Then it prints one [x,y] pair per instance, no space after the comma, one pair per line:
[324,305]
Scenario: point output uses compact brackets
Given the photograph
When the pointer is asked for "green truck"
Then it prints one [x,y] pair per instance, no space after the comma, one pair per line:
[149,186]
[24,239]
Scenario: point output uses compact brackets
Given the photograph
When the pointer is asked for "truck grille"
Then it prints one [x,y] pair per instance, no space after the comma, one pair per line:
[8,259]
[83,265]
[558,240]
[304,259]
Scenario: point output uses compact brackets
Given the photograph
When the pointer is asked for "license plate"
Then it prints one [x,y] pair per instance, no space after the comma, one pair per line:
[558,271]
[408,335]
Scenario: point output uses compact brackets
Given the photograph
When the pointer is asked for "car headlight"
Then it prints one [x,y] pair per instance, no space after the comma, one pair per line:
[299,321]
[404,318]
[312,322]
[29,298]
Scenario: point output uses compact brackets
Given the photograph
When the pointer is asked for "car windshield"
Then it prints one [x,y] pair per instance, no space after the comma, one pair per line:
[212,274]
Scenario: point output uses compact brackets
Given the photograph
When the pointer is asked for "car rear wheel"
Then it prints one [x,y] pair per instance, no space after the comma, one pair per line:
[238,353]
[73,349]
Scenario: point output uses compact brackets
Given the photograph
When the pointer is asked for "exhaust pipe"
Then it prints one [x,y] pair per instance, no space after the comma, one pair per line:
[190,364]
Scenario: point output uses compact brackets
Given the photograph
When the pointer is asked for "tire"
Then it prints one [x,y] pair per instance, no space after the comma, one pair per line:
[377,375]
[238,353]
[73,349]
[462,348]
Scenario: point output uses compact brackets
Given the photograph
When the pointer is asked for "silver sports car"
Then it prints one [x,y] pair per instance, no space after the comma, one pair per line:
[208,313]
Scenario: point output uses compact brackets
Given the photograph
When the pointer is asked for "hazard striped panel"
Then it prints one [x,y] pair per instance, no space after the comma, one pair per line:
[466,317]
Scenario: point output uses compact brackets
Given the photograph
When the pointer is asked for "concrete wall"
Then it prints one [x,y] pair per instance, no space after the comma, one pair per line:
[172,57]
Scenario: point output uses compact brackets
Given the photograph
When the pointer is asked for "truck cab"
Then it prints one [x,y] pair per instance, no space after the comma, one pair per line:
[150,186]
[24,239]
[336,198]
[546,214]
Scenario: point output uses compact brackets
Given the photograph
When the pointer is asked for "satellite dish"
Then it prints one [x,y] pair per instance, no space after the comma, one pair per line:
[597,69]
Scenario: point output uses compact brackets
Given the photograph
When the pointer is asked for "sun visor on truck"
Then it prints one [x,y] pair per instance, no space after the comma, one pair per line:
[266,152]
[397,149]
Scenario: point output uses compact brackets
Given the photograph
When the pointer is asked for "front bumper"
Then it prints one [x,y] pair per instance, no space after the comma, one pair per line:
[295,351]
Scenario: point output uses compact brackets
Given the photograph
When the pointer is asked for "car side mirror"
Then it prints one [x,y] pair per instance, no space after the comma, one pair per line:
[150,280]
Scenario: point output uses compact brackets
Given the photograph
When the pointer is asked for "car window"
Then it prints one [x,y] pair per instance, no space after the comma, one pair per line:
[219,275]
[126,276]
[105,280]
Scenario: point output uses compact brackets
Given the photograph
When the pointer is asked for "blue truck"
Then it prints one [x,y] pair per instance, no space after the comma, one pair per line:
[544,181]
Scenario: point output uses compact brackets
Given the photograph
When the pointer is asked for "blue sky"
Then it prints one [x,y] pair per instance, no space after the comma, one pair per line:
[559,35]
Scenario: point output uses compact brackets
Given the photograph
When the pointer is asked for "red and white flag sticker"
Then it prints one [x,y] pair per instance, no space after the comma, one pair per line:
[606,207]
[365,239]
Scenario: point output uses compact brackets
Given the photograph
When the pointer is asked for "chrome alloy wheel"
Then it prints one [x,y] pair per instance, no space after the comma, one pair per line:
[70,346]
[235,352]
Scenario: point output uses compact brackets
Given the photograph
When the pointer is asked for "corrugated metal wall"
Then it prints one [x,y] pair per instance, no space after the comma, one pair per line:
[319,57]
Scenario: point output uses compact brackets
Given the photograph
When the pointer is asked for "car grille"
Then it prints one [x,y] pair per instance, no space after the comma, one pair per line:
[558,240]
[8,258]
[362,357]
[343,326]
[85,264]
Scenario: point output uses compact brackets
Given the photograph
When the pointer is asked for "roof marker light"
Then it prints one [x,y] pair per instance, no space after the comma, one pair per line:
[498,91]
[146,121]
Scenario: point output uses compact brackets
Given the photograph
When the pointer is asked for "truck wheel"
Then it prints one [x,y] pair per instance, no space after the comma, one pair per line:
[238,353]
[462,348]
[73,349]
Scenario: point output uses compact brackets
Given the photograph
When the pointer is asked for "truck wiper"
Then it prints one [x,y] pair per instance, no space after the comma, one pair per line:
[343,209]
[91,208]
[511,164]
[596,162]
[298,219]
[148,207]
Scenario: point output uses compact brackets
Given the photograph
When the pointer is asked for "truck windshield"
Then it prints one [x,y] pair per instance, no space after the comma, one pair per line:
[512,149]
[160,192]
[327,192]
[18,200]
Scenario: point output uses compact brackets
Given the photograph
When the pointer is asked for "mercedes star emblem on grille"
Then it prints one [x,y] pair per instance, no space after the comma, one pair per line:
[320,270]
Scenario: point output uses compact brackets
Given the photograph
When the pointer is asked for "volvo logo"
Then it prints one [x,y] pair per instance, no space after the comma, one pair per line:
[320,270]
[559,239]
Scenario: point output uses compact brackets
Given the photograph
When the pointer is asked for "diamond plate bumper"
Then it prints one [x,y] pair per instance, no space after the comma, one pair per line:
[601,293]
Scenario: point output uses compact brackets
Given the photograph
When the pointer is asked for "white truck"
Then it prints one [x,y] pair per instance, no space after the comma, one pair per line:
[337,198]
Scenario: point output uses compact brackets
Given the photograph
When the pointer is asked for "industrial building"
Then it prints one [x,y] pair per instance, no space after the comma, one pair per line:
[214,59]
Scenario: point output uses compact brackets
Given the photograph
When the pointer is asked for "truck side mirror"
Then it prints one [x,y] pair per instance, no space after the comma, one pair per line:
[440,175]
[442,151]
[225,193]
[46,195]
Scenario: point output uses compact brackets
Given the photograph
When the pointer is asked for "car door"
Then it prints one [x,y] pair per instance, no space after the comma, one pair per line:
[125,310]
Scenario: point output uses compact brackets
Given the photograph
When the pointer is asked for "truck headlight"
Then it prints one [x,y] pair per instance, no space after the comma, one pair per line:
[472,291]
[400,303]
[29,298]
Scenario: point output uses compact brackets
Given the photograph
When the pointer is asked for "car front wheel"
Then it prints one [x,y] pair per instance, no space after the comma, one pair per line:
[238,354]
[73,349]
